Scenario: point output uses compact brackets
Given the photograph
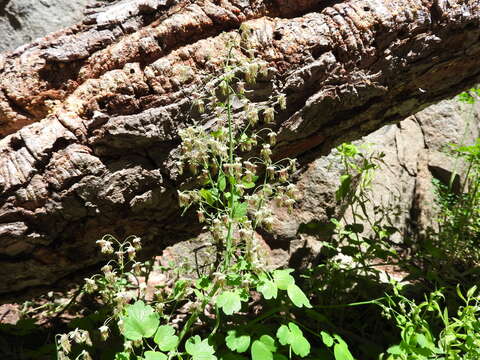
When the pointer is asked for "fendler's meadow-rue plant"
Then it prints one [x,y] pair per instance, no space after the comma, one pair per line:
[216,315]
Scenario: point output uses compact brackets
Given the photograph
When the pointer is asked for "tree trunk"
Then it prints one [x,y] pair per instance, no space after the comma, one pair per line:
[90,115]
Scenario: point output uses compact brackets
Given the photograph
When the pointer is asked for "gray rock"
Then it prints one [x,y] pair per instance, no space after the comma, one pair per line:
[22,21]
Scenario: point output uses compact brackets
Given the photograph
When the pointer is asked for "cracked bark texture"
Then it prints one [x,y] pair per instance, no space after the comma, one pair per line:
[89,115]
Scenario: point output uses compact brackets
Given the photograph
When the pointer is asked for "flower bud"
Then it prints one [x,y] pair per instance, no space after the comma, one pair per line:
[271,172]
[252,116]
[266,152]
[282,175]
[137,268]
[272,137]
[224,87]
[120,254]
[251,73]
[201,216]
[106,269]
[268,115]
[241,87]
[282,101]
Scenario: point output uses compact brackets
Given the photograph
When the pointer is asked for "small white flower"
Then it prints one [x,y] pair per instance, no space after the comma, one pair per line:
[65,343]
[131,251]
[137,243]
[105,246]
[104,332]
[85,355]
[90,285]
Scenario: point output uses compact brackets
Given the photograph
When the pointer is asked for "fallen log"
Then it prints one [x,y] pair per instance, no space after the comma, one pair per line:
[90,115]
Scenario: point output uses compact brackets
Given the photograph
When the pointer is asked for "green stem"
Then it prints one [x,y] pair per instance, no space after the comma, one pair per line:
[232,184]
[195,315]
[374,301]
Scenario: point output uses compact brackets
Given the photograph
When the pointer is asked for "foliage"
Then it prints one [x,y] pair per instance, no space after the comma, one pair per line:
[470,96]
[429,332]
[457,239]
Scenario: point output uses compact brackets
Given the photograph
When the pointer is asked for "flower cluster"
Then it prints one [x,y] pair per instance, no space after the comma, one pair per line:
[64,344]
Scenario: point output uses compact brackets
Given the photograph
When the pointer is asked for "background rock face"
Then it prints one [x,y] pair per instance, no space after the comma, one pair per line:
[22,21]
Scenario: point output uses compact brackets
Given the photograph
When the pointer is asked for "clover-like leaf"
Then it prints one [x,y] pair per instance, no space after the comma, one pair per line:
[293,336]
[239,343]
[300,344]
[283,335]
[340,350]
[268,289]
[263,348]
[327,339]
[283,278]
[200,349]
[297,296]
[140,322]
[229,301]
[165,338]
[155,355]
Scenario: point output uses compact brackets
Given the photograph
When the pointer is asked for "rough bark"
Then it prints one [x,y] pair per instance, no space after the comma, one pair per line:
[90,114]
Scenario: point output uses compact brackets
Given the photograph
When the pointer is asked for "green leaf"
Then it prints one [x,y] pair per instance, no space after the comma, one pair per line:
[237,343]
[207,196]
[203,282]
[165,338]
[200,349]
[395,350]
[222,182]
[263,348]
[471,291]
[297,296]
[240,210]
[248,185]
[327,339]
[268,289]
[122,356]
[283,335]
[300,345]
[141,321]
[293,336]
[229,301]
[340,350]
[155,355]
[342,191]
[283,278]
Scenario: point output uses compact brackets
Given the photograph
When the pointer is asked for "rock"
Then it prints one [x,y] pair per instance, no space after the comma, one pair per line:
[414,156]
[22,21]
